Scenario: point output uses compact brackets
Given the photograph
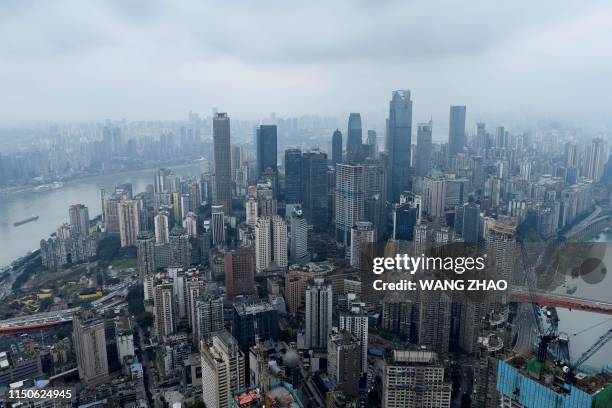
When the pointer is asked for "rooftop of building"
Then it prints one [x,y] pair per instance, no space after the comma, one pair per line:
[253,308]
[319,267]
[550,374]
[279,395]
[416,357]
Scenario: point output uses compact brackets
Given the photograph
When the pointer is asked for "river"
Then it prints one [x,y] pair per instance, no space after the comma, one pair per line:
[52,207]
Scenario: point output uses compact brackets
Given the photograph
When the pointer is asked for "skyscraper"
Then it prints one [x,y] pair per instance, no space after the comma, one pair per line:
[362,234]
[270,243]
[314,173]
[129,222]
[399,142]
[456,130]
[222,180]
[336,153]
[164,312]
[298,236]
[354,137]
[145,245]
[471,223]
[414,379]
[423,157]
[190,224]
[162,227]
[349,200]
[79,218]
[266,149]
[218,225]
[254,321]
[90,346]
[209,317]
[596,158]
[355,321]
[223,370]
[293,176]
[343,362]
[404,221]
[318,314]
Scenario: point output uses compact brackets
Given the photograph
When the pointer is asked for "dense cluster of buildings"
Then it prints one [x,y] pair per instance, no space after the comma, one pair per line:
[258,272]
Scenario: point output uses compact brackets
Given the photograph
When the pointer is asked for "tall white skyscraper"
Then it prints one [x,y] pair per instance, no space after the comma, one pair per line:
[318,314]
[433,196]
[223,370]
[162,227]
[595,160]
[129,222]
[251,211]
[349,203]
[279,241]
[263,244]
[164,309]
[190,224]
[270,243]
[298,236]
[218,225]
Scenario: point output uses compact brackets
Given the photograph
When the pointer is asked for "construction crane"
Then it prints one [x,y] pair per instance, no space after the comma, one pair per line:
[545,337]
[601,341]
[551,334]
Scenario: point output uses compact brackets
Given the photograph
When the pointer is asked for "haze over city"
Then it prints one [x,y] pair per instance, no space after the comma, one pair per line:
[509,62]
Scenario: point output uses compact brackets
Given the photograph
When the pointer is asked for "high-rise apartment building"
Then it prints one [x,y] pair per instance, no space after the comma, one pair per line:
[208,318]
[349,200]
[343,362]
[223,370]
[161,222]
[129,221]
[298,236]
[318,314]
[89,341]
[145,249]
[164,311]
[355,321]
[270,243]
[79,218]
[218,225]
[362,234]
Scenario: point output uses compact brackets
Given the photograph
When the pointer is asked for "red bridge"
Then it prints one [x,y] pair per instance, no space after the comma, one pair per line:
[563,301]
[7,331]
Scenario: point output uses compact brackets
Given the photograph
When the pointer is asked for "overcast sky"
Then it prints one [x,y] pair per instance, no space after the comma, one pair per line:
[507,60]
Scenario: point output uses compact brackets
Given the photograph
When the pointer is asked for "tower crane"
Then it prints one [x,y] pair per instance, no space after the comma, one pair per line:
[551,334]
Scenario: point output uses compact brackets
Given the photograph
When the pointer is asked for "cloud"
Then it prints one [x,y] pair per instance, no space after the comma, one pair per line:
[75,60]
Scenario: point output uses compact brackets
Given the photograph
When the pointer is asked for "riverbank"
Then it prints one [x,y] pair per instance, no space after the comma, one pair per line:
[53,184]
